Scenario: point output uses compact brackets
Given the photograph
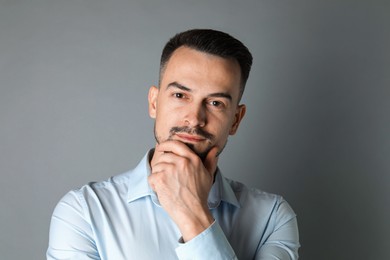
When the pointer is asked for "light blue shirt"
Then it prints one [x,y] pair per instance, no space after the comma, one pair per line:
[121,218]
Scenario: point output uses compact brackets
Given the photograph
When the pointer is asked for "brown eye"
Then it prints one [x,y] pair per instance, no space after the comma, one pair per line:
[215,103]
[178,95]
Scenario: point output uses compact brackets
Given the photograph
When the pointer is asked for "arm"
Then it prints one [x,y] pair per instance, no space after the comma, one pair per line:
[283,242]
[182,182]
[211,243]
[70,238]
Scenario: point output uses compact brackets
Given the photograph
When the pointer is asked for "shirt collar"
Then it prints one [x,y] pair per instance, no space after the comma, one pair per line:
[221,191]
[138,186]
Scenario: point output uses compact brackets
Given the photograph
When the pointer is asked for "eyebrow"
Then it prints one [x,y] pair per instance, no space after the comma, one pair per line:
[222,95]
[179,86]
[184,88]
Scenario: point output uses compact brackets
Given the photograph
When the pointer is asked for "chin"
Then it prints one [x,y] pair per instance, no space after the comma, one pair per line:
[201,154]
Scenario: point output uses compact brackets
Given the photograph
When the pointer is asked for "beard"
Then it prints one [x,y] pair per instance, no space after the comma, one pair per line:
[198,131]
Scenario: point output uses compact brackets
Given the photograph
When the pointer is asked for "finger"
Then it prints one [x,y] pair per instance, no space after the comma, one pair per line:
[159,155]
[162,167]
[175,147]
[211,161]
[165,158]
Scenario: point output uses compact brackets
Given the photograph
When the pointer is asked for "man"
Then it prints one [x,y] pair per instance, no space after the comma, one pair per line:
[176,204]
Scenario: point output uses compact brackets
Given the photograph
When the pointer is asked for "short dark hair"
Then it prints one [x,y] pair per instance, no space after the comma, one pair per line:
[212,42]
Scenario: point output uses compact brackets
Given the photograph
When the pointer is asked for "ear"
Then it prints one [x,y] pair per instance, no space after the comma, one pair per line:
[240,112]
[152,98]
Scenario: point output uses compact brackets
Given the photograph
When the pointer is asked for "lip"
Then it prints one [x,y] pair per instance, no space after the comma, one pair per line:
[190,138]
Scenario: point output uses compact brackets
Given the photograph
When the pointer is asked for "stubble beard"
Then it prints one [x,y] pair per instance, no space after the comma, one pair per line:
[202,154]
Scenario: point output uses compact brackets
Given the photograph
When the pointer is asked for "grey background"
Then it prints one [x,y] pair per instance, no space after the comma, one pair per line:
[74,77]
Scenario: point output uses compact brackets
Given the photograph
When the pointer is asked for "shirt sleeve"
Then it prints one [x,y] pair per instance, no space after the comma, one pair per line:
[283,242]
[210,243]
[70,232]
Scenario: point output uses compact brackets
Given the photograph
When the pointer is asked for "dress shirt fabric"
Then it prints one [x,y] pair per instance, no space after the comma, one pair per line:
[121,218]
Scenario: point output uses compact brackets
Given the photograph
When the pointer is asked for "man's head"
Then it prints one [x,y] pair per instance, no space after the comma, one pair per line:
[202,78]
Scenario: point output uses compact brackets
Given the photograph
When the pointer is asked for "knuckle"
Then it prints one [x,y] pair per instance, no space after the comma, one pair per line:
[181,162]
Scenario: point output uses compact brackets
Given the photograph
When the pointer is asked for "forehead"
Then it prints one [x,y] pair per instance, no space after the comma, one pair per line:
[200,70]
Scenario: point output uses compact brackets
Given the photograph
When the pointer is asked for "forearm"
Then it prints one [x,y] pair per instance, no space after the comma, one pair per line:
[211,242]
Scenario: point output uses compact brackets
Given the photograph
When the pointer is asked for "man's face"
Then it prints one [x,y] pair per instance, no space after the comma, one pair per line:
[197,101]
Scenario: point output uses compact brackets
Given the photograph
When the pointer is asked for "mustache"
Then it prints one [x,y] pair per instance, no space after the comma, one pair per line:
[192,131]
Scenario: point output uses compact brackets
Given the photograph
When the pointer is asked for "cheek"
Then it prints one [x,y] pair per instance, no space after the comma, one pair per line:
[169,114]
[165,119]
[222,128]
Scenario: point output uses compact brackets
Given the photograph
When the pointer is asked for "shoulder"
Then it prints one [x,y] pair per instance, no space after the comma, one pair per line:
[114,188]
[243,192]
[261,202]
[98,192]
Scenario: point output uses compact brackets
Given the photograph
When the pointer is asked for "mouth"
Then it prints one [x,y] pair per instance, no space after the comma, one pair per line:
[190,138]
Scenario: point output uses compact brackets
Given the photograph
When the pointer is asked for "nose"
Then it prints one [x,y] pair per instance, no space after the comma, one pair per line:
[195,116]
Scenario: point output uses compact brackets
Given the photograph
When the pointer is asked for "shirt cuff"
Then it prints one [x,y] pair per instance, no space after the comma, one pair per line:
[211,242]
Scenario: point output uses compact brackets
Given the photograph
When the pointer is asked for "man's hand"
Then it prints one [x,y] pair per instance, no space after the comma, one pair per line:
[182,183]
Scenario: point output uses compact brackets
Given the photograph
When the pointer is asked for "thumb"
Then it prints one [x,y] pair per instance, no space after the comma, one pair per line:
[211,161]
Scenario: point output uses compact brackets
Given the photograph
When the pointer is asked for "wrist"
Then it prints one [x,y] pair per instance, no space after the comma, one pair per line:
[195,225]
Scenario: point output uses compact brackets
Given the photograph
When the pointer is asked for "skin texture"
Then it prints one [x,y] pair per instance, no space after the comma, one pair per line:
[195,110]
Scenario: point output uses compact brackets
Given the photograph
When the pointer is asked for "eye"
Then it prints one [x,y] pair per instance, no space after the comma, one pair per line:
[216,103]
[178,95]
